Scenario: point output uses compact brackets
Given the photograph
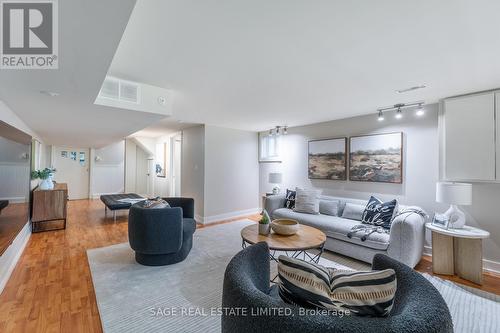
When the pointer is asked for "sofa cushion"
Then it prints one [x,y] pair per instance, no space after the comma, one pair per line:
[329,207]
[307,201]
[353,211]
[336,227]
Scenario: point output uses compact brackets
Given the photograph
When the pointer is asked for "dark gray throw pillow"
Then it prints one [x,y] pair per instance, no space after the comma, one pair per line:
[379,213]
[290,199]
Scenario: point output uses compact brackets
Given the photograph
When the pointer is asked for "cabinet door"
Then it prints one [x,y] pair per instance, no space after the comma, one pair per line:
[469,125]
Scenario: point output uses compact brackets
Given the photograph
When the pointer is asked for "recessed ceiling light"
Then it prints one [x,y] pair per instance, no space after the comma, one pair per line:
[422,86]
[49,93]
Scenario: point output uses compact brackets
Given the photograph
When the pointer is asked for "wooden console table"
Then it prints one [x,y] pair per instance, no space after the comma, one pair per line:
[458,251]
[49,208]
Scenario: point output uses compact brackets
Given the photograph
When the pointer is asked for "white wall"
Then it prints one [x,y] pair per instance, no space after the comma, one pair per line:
[107,174]
[421,169]
[10,257]
[14,170]
[130,165]
[231,173]
[141,178]
[193,167]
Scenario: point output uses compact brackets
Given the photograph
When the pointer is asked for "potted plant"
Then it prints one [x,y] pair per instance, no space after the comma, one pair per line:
[45,178]
[264,223]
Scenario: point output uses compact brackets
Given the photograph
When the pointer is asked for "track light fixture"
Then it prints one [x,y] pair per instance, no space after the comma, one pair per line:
[380,115]
[399,114]
[420,110]
[278,130]
[399,109]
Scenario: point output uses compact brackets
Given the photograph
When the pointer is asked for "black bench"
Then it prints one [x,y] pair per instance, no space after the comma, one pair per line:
[113,203]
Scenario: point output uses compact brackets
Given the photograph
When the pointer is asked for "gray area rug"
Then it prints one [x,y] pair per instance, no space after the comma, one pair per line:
[181,297]
[472,310]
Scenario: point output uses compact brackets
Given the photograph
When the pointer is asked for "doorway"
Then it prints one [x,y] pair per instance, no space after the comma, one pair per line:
[176,158]
[72,167]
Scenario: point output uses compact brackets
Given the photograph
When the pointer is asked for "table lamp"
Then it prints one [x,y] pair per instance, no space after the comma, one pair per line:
[454,194]
[275,178]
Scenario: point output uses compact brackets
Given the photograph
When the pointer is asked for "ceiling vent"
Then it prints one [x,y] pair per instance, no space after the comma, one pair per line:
[120,90]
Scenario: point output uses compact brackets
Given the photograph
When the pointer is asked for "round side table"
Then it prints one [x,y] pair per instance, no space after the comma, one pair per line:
[458,251]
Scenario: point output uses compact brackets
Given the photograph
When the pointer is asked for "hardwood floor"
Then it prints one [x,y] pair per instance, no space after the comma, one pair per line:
[51,287]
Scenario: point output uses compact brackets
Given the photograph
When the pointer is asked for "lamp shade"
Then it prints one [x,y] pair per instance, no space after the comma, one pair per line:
[275,178]
[454,193]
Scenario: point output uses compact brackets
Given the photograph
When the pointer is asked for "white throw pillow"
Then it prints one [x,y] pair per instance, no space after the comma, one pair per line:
[353,211]
[307,201]
[329,207]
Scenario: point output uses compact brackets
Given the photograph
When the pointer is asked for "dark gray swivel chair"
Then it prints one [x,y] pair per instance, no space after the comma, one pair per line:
[162,236]
[418,306]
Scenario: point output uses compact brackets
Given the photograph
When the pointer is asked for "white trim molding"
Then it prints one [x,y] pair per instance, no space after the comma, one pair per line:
[488,265]
[226,216]
[11,256]
[98,195]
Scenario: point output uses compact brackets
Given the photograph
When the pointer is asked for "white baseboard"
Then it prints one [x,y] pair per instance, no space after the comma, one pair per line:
[98,195]
[11,256]
[15,199]
[488,265]
[225,216]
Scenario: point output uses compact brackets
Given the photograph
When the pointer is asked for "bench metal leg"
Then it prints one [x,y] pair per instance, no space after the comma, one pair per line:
[105,211]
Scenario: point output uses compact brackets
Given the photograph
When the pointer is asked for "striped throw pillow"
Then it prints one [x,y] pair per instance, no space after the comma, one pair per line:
[314,286]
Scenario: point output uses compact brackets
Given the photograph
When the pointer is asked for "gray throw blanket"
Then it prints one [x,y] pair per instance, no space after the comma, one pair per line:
[368,229]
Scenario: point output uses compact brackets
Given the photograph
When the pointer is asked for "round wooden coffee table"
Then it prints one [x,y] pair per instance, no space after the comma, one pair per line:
[295,246]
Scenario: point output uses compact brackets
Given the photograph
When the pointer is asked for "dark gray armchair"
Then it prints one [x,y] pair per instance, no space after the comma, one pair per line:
[418,306]
[162,236]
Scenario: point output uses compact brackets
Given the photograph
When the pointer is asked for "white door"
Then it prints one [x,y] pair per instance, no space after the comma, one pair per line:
[72,167]
[176,165]
[141,178]
[150,177]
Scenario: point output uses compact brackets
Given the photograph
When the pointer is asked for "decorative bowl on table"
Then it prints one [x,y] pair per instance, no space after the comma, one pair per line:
[285,227]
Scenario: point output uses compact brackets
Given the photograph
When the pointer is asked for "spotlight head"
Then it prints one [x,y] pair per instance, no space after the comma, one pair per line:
[420,111]
[285,130]
[271,132]
[380,115]
[399,114]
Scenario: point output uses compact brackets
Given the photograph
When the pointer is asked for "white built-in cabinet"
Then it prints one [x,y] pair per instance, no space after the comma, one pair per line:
[470,137]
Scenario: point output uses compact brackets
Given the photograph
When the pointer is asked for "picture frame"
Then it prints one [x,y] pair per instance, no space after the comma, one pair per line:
[327,159]
[376,158]
[441,221]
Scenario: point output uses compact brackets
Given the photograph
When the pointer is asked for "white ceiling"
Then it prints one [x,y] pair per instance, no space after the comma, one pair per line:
[89,33]
[162,127]
[256,64]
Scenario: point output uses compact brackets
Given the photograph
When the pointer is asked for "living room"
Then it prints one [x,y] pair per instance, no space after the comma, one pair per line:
[249,166]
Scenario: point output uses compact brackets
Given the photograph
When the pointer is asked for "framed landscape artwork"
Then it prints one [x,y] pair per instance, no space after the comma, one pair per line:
[376,158]
[328,159]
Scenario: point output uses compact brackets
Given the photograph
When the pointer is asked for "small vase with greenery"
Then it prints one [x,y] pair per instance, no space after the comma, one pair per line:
[45,178]
[264,223]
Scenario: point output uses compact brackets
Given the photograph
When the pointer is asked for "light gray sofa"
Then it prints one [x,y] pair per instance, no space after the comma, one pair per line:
[405,242]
